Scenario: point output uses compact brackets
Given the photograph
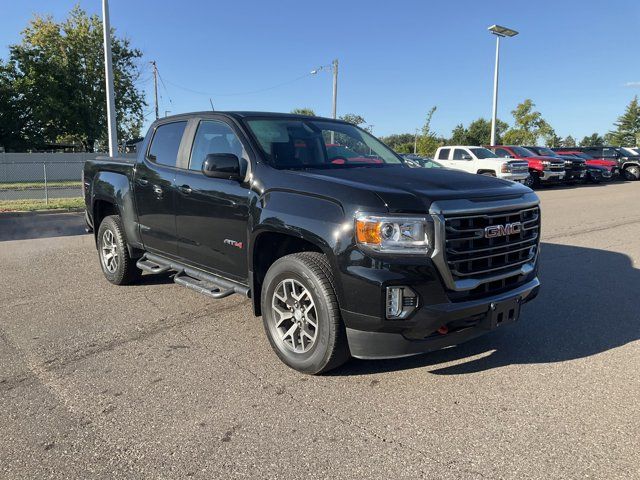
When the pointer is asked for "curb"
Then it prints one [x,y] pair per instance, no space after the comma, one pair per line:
[40,212]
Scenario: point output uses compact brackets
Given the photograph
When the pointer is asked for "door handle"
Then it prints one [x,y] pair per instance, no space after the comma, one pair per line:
[157,190]
[185,189]
[143,181]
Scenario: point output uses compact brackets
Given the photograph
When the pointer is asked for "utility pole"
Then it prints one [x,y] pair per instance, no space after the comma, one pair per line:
[108,74]
[334,67]
[415,143]
[155,86]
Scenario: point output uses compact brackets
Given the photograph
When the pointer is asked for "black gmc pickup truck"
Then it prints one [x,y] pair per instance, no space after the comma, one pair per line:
[342,248]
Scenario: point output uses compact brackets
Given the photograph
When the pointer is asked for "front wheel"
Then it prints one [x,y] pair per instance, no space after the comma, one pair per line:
[301,315]
[533,180]
[118,267]
[632,173]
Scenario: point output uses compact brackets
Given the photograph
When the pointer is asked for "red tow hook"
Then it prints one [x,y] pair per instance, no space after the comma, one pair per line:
[443,330]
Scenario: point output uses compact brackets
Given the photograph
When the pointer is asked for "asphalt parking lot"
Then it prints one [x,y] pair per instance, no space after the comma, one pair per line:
[156,381]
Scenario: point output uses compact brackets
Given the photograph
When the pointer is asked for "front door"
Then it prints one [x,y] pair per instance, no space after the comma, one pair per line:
[154,189]
[212,213]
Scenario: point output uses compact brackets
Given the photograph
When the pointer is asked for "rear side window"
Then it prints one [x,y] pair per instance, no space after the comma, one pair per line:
[166,142]
[458,153]
[444,154]
[501,152]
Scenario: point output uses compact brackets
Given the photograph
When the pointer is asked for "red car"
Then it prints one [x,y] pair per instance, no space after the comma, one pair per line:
[610,165]
[341,154]
[541,169]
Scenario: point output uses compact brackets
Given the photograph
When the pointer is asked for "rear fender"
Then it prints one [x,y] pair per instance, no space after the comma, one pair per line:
[115,188]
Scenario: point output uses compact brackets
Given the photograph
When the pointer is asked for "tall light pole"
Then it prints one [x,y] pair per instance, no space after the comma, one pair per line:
[415,143]
[108,74]
[499,32]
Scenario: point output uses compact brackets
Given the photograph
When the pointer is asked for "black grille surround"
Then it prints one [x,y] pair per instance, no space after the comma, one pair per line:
[490,265]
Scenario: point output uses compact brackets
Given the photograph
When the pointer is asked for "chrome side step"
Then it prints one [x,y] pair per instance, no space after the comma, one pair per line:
[202,282]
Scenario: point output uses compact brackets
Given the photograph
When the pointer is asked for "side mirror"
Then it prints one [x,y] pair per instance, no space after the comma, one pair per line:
[221,165]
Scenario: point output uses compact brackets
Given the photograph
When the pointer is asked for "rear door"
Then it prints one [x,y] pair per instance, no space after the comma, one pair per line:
[458,161]
[154,189]
[212,213]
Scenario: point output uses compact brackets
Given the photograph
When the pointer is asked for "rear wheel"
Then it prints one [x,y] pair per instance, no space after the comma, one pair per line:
[118,267]
[632,173]
[301,315]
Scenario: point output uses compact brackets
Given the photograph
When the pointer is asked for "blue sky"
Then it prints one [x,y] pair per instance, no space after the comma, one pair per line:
[397,59]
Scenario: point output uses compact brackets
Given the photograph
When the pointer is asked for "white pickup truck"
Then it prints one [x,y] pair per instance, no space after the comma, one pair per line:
[482,161]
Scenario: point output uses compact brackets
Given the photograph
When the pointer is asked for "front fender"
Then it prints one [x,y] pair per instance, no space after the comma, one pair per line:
[315,219]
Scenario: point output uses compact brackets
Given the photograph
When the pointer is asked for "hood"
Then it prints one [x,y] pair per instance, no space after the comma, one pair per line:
[543,158]
[408,190]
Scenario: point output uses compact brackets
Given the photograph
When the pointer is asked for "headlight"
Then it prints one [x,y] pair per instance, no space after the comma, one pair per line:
[546,163]
[506,168]
[393,234]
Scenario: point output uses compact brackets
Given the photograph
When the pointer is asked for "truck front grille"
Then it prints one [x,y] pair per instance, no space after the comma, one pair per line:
[469,254]
[557,167]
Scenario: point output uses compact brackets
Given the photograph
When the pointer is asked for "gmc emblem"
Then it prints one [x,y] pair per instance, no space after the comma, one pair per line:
[501,230]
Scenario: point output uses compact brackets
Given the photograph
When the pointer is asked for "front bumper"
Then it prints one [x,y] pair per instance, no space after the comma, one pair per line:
[514,177]
[574,175]
[463,320]
[551,176]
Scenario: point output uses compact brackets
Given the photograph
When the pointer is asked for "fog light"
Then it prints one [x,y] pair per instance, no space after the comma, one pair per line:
[401,301]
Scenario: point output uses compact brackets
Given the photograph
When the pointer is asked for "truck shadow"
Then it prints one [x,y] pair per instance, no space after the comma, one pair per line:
[587,305]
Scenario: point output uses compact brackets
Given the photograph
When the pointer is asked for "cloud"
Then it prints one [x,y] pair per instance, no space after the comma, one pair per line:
[632,84]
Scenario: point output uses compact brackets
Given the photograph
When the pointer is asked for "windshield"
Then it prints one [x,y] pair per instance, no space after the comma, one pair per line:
[628,151]
[547,152]
[522,152]
[291,143]
[483,153]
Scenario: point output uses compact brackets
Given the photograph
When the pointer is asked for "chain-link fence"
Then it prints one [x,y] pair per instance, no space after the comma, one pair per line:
[40,181]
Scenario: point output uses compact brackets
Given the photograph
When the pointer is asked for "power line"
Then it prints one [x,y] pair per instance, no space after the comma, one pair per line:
[211,94]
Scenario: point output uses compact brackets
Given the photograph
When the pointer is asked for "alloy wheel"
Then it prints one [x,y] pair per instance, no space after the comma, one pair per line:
[295,316]
[109,250]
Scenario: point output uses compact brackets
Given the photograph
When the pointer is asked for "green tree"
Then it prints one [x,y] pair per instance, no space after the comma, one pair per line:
[593,140]
[304,111]
[627,128]
[428,142]
[57,76]
[357,120]
[479,131]
[16,132]
[568,141]
[528,127]
[458,136]
[401,143]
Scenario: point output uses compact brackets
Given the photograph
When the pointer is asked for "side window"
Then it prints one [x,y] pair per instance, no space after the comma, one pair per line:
[501,152]
[165,143]
[609,153]
[214,137]
[458,153]
[444,154]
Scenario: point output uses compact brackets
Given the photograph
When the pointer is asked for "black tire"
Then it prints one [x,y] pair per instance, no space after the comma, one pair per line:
[311,271]
[632,173]
[488,174]
[124,270]
[533,180]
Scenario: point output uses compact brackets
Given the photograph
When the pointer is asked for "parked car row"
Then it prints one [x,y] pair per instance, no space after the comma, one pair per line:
[535,166]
